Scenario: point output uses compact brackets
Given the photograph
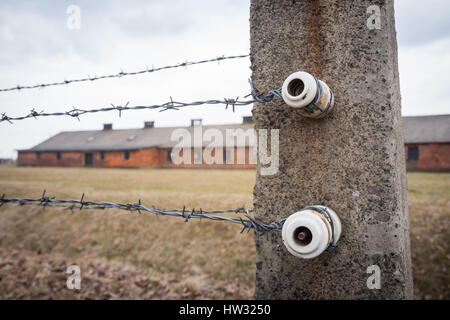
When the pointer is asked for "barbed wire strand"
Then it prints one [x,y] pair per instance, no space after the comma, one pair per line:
[122,73]
[171,105]
[187,214]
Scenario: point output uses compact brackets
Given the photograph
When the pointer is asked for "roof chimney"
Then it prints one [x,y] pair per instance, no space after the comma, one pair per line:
[107,126]
[196,122]
[247,119]
[149,124]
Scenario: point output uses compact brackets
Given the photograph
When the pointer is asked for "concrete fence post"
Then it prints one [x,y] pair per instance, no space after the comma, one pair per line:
[351,161]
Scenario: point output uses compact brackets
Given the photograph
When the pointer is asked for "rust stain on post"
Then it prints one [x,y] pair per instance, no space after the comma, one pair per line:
[315,39]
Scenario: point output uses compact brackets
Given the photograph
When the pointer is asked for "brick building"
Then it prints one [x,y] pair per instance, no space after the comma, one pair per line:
[427,146]
[427,143]
[148,147]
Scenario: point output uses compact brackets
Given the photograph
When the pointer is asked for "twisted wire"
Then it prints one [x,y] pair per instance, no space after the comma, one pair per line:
[171,105]
[122,73]
[71,204]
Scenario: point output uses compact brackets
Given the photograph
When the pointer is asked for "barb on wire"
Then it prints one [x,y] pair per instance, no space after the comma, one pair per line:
[122,73]
[186,214]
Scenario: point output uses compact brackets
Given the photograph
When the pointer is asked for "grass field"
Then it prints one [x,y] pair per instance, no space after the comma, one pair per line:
[127,255]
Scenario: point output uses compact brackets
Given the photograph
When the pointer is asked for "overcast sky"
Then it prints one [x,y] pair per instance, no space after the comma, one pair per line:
[37,46]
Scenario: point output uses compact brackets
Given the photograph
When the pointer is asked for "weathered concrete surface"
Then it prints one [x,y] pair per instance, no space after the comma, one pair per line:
[351,161]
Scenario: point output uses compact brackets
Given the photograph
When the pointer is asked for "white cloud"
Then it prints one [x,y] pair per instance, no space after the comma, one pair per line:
[211,31]
[421,22]
[425,78]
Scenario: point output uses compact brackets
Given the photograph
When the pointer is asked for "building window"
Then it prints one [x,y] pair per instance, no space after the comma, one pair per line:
[58,156]
[126,155]
[413,153]
[169,155]
[102,156]
[88,159]
[38,155]
[226,156]
[197,155]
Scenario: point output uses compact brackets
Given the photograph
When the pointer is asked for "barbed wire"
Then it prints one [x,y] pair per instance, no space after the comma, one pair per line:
[187,214]
[123,73]
[171,105]
[265,98]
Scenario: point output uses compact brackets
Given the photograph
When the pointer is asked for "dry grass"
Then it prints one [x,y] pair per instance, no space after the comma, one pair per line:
[429,212]
[126,255]
[202,259]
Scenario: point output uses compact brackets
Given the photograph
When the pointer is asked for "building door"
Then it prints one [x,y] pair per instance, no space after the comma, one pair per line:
[88,160]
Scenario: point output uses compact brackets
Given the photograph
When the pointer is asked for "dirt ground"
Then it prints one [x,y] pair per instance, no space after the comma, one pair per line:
[124,255]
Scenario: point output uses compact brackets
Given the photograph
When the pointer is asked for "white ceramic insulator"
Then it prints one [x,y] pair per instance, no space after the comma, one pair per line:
[300,89]
[319,228]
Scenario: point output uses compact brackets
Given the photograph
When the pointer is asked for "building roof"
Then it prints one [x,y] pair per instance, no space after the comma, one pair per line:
[134,139]
[420,129]
[427,129]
